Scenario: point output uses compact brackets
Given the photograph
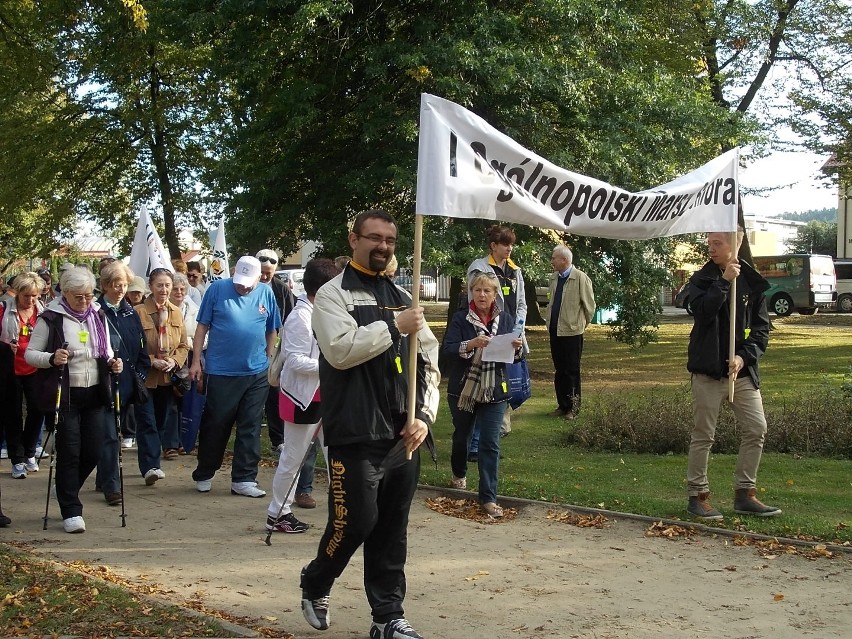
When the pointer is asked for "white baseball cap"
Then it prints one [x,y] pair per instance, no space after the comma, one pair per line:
[247,272]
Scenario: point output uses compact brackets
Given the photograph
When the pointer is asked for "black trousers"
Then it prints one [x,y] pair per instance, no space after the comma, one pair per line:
[370,491]
[79,437]
[273,418]
[566,353]
[22,433]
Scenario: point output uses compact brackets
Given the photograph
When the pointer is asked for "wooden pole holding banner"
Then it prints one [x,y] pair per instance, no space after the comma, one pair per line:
[412,338]
[732,328]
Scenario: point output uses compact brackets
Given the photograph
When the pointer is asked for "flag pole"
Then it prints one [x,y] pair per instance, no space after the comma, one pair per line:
[412,337]
[732,328]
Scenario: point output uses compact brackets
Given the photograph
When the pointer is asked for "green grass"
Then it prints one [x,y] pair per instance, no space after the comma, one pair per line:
[813,492]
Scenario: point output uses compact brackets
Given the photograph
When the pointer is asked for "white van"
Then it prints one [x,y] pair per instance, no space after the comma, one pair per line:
[843,269]
[293,277]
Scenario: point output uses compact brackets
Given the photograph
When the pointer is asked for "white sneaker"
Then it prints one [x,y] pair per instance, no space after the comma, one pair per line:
[38,451]
[128,442]
[153,475]
[204,485]
[74,525]
[246,489]
[4,454]
[19,471]
[32,465]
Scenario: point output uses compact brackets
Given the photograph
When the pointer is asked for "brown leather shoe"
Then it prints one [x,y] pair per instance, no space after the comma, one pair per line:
[699,506]
[304,500]
[745,503]
[170,454]
[557,413]
[113,499]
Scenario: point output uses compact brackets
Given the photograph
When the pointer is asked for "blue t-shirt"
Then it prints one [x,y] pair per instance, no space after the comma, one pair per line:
[238,324]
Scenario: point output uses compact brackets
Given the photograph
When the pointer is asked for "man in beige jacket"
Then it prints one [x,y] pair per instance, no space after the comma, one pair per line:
[570,309]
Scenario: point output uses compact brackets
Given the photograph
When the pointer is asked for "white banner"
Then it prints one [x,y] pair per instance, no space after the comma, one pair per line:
[467,168]
[147,252]
[219,269]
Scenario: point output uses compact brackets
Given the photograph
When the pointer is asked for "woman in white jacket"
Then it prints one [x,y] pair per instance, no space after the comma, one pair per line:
[299,398]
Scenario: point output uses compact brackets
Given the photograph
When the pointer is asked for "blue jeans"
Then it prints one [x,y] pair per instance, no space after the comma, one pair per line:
[489,417]
[157,427]
[305,484]
[106,479]
[231,401]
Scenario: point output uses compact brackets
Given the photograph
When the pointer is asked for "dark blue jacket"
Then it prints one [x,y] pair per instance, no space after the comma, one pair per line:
[128,340]
[461,330]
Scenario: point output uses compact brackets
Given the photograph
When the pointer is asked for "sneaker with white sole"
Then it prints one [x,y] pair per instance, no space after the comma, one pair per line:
[128,442]
[19,471]
[247,489]
[4,454]
[38,451]
[74,525]
[31,464]
[204,485]
[153,476]
[315,610]
[285,524]
[394,629]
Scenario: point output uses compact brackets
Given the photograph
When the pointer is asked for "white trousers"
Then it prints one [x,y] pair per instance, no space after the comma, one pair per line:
[297,440]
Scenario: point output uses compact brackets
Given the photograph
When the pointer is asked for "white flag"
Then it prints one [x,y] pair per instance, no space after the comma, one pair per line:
[467,168]
[147,252]
[219,265]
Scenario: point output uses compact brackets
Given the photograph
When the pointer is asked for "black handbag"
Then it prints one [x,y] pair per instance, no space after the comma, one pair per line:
[141,393]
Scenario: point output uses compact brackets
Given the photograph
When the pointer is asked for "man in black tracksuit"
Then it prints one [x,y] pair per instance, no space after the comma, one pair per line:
[362,324]
[710,367]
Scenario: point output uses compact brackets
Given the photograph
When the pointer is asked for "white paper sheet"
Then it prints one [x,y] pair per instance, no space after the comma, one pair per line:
[500,349]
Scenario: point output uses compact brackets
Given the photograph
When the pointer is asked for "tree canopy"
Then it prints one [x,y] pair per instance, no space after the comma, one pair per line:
[289,117]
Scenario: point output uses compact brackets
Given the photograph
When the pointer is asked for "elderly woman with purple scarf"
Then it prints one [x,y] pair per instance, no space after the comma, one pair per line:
[71,341]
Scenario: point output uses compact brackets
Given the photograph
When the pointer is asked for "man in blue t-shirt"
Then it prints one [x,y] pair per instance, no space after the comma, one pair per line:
[240,321]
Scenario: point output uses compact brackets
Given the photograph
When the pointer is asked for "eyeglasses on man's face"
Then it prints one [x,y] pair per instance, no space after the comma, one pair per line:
[374,238]
[265,259]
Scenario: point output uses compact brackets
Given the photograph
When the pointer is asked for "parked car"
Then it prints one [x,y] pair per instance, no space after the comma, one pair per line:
[428,286]
[843,269]
[681,299]
[292,277]
[541,293]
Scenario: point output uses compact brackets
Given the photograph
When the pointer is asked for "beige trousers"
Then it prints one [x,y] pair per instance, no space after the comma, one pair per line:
[707,397]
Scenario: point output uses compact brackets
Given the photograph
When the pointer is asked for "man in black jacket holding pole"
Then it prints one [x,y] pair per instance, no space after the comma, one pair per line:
[710,367]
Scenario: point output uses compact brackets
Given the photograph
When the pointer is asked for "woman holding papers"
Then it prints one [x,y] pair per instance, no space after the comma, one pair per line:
[478,389]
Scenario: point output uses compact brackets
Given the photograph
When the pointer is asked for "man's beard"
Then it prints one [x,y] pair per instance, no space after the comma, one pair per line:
[376,257]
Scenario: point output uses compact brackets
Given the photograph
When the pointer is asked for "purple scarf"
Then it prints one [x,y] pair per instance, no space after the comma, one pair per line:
[100,344]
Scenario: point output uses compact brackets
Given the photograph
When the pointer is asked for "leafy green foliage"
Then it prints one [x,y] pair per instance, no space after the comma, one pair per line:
[815,237]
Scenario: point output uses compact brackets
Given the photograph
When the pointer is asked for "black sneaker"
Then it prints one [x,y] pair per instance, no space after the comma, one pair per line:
[315,610]
[394,629]
[285,524]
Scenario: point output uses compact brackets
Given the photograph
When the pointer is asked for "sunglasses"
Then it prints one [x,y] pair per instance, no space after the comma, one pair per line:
[264,259]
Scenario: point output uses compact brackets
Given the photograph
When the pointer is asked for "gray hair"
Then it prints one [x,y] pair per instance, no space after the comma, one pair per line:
[564,251]
[181,280]
[483,276]
[269,253]
[77,280]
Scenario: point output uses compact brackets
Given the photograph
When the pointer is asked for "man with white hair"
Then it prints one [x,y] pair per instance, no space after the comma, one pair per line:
[240,320]
[569,311]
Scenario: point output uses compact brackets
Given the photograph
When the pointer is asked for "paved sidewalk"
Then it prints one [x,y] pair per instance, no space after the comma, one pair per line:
[531,577]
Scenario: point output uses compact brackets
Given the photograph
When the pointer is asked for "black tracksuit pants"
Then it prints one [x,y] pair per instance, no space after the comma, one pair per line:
[370,491]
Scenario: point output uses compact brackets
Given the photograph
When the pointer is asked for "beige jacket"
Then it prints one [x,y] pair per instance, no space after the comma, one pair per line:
[178,343]
[578,303]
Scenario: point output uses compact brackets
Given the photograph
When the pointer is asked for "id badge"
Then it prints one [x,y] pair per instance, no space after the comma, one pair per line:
[84,336]
[506,290]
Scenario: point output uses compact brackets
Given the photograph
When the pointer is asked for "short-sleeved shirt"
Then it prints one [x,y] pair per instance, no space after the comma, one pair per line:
[238,324]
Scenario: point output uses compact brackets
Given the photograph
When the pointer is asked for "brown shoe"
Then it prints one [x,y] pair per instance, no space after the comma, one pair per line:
[745,503]
[170,454]
[304,500]
[699,506]
[113,499]
[557,413]
[570,416]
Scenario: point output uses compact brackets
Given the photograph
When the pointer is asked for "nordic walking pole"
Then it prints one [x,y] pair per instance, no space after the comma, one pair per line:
[117,414]
[53,451]
[293,483]
[412,337]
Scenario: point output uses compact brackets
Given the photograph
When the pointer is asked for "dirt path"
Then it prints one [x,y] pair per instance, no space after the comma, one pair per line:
[531,577]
